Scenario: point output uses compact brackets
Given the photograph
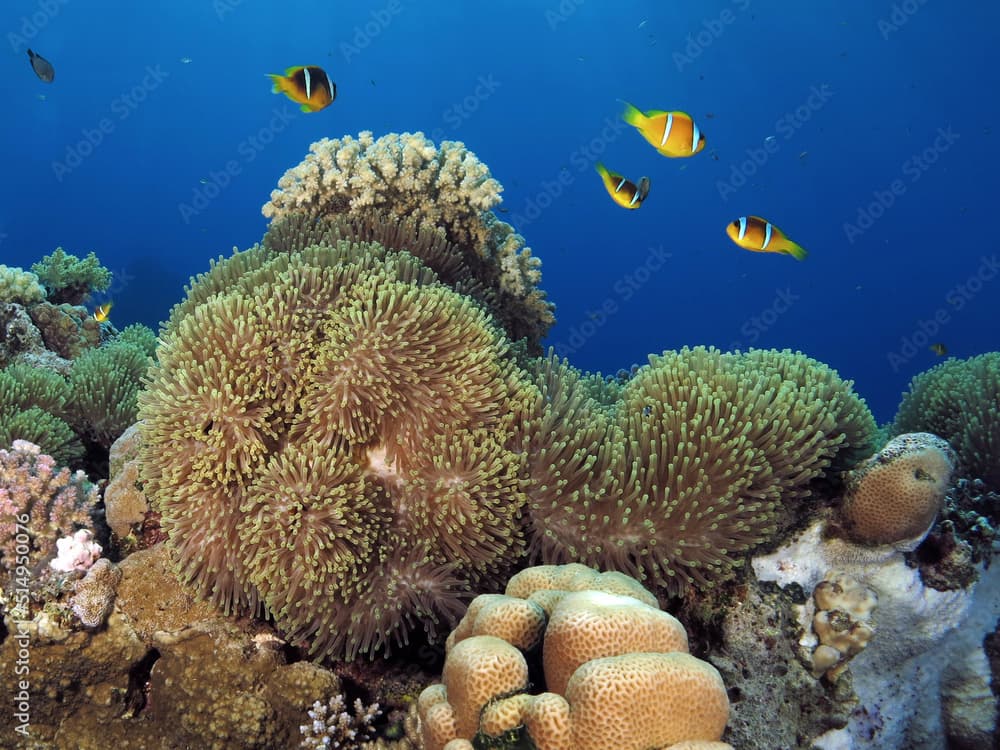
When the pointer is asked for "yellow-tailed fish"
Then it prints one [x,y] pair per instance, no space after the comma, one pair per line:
[761,236]
[623,192]
[939,349]
[673,134]
[307,85]
[101,312]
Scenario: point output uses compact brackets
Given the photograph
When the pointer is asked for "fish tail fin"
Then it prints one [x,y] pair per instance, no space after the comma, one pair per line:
[632,115]
[796,251]
[275,82]
[601,169]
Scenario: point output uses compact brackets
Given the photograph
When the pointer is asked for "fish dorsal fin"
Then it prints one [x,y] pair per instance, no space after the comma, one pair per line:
[656,112]
[293,70]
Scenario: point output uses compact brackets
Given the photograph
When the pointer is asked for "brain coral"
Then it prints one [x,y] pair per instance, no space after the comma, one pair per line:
[401,186]
[894,496]
[700,457]
[959,400]
[326,435]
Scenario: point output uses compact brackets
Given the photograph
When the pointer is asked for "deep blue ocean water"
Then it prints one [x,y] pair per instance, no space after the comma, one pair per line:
[867,131]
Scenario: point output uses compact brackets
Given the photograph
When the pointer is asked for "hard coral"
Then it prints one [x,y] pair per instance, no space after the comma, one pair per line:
[894,496]
[702,457]
[631,685]
[17,285]
[327,436]
[959,400]
[401,191]
[40,501]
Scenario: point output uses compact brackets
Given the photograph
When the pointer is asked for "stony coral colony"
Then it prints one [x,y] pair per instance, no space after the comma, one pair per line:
[343,432]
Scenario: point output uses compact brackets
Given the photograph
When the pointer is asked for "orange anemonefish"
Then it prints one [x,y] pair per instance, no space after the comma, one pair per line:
[761,236]
[626,194]
[673,134]
[939,349]
[101,312]
[307,85]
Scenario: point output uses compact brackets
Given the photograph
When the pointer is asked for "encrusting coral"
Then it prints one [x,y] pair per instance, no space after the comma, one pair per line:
[703,456]
[894,496]
[43,502]
[407,182]
[327,438]
[959,400]
[616,669]
[19,286]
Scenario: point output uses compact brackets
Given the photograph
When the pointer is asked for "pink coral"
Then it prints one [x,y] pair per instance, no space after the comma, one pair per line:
[39,500]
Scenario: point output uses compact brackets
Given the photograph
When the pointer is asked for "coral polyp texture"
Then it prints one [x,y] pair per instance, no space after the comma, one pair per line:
[41,501]
[893,497]
[19,286]
[616,669]
[700,457]
[418,190]
[959,400]
[326,435]
[69,279]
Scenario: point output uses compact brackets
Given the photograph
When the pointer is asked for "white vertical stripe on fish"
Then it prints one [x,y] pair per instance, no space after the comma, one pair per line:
[695,136]
[743,226]
[767,235]
[666,129]
[308,80]
[620,185]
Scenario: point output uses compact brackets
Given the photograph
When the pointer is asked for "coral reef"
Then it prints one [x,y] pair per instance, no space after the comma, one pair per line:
[67,278]
[616,670]
[894,497]
[842,622]
[702,456]
[125,502]
[17,285]
[959,400]
[94,594]
[76,552]
[405,180]
[332,726]
[39,501]
[327,439]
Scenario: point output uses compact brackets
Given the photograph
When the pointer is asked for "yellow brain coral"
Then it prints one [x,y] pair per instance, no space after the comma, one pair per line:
[616,669]
[894,496]
[326,434]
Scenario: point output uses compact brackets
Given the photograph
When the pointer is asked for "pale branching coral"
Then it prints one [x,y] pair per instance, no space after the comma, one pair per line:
[959,400]
[616,669]
[76,552]
[40,502]
[329,434]
[703,457]
[893,497]
[67,278]
[332,726]
[17,285]
[425,190]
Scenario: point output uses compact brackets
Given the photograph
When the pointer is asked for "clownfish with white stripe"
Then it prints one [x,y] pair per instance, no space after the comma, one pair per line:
[307,85]
[623,192]
[761,236]
[673,134]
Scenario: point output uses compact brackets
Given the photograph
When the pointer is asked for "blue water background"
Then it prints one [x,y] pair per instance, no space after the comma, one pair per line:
[851,96]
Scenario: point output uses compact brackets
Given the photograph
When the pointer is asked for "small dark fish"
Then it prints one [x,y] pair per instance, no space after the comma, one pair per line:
[42,67]
[939,349]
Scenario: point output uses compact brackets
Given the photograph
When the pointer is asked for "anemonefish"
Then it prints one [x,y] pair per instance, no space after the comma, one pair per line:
[939,349]
[626,194]
[761,236]
[101,312]
[307,85]
[673,134]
